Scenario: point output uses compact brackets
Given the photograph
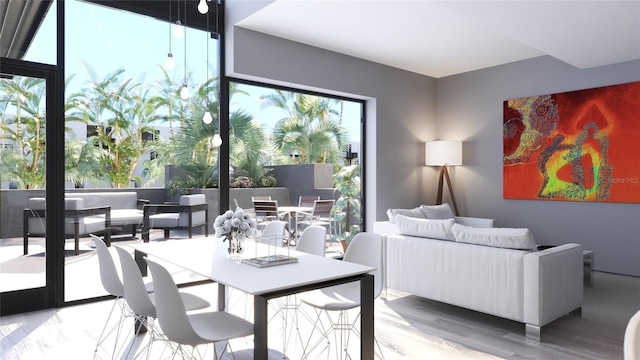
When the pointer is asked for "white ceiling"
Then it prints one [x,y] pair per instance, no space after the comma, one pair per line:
[442,38]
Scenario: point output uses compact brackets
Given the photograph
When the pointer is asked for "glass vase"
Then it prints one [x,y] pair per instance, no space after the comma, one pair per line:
[235,249]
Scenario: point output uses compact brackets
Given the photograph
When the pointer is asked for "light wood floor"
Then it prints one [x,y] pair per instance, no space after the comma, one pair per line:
[407,327]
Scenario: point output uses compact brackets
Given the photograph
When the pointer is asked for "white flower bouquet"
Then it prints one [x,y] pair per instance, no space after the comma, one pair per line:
[236,225]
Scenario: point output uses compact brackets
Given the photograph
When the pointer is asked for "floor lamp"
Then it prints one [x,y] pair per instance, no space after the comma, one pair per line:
[444,153]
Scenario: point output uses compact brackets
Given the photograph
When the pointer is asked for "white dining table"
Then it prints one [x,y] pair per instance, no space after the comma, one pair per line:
[207,257]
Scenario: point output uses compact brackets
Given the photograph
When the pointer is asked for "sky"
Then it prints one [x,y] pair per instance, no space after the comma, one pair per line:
[103,38]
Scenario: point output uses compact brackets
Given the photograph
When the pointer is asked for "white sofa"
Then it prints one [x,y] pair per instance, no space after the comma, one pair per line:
[528,286]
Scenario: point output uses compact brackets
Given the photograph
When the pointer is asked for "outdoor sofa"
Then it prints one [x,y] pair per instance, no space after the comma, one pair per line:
[87,213]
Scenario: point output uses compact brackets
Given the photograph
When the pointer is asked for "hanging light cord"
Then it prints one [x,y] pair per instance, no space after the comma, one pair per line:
[207,65]
[185,42]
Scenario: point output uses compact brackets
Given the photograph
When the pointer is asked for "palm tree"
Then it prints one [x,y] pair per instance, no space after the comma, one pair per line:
[308,130]
[168,99]
[23,158]
[80,162]
[123,111]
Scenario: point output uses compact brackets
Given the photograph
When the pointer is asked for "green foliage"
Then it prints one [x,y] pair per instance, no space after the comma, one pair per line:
[311,128]
[347,210]
[195,176]
[23,136]
[123,110]
[242,182]
[80,164]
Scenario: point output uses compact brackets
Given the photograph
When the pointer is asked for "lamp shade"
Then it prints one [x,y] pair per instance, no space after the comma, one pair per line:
[440,152]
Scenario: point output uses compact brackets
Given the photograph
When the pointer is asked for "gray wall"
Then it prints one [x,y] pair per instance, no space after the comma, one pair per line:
[400,105]
[406,109]
[469,108]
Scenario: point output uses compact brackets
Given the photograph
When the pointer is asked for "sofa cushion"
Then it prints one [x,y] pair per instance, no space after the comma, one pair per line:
[442,211]
[198,217]
[510,238]
[114,199]
[164,220]
[428,228]
[126,217]
[413,213]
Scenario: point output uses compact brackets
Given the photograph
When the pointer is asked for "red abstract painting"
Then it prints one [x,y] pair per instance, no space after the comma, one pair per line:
[577,146]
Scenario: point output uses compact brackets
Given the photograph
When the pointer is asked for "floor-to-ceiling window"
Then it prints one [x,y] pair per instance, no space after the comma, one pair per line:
[287,144]
[125,119]
[28,138]
[132,109]
[128,125]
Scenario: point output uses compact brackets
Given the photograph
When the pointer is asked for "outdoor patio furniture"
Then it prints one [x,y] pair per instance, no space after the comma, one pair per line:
[190,212]
[320,215]
[126,207]
[80,221]
[307,200]
[266,210]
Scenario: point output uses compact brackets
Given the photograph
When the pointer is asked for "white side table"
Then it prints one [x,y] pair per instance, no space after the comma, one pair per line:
[588,267]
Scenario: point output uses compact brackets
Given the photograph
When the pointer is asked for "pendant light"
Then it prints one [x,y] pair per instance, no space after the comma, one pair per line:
[178,30]
[203,8]
[170,64]
[207,118]
[217,140]
[184,92]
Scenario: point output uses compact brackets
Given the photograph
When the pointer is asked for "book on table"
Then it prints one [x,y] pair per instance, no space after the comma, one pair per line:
[270,260]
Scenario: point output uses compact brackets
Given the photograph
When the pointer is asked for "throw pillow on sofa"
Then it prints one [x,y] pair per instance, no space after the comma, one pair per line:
[510,238]
[413,213]
[428,228]
[442,211]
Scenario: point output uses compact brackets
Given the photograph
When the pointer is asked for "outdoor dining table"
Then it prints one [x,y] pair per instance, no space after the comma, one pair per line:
[292,213]
[207,257]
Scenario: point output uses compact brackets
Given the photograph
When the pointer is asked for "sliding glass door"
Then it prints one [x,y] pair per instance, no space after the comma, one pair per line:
[27,111]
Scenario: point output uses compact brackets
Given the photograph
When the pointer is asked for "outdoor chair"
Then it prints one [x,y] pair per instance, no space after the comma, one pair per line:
[191,211]
[307,200]
[261,197]
[266,210]
[320,215]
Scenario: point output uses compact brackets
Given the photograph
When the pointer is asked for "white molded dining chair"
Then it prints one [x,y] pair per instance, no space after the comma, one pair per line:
[312,240]
[274,232]
[365,249]
[113,285]
[632,338]
[191,329]
[141,302]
